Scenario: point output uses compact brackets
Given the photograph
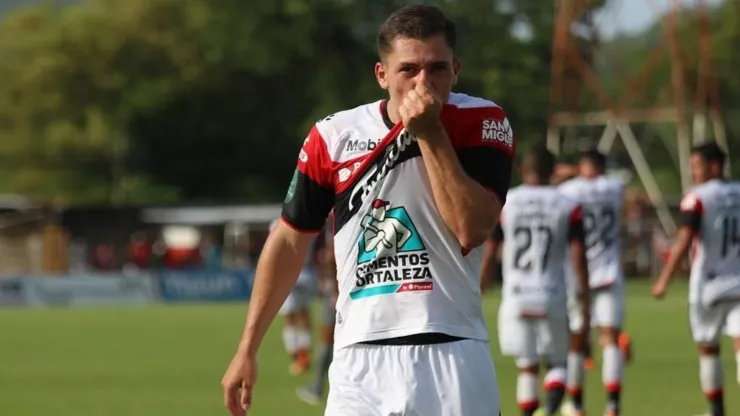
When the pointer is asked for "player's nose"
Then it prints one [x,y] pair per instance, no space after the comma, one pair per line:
[422,78]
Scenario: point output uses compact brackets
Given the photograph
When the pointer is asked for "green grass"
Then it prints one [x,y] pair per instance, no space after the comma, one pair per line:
[168,360]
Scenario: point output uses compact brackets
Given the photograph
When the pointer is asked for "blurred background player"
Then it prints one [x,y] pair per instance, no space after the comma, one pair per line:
[601,199]
[326,273]
[538,223]
[296,311]
[711,219]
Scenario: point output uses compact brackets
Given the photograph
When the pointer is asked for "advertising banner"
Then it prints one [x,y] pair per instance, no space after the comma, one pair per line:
[12,292]
[205,285]
[89,290]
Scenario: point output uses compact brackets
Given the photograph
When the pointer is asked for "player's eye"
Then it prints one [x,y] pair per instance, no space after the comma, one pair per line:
[439,67]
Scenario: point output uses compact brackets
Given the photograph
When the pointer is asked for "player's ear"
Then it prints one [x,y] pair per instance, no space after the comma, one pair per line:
[381,75]
[456,67]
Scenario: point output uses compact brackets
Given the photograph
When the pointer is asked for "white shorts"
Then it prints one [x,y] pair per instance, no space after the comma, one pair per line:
[533,339]
[607,309]
[707,323]
[298,299]
[449,379]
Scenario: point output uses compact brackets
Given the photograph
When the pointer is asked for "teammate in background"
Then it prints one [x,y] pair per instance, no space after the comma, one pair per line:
[539,223]
[601,199]
[326,272]
[410,336]
[711,219]
[297,315]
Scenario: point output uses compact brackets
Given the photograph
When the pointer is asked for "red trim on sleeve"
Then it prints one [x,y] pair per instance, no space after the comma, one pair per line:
[300,230]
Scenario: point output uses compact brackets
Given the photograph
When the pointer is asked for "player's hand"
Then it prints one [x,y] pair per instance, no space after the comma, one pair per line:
[420,111]
[238,382]
[660,288]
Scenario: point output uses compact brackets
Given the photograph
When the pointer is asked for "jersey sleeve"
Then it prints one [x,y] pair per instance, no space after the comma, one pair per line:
[692,211]
[310,196]
[487,148]
[575,225]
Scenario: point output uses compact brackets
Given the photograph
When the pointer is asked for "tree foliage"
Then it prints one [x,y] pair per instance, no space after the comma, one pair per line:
[136,101]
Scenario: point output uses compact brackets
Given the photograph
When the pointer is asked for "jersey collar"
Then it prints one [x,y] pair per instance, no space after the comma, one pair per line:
[384,114]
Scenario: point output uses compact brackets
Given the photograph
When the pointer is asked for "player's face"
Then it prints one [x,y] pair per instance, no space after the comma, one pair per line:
[413,61]
[699,169]
[587,169]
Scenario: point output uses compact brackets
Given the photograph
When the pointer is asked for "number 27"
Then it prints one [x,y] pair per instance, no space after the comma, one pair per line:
[523,236]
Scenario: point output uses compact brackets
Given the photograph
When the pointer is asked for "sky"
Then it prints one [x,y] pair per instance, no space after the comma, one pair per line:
[635,15]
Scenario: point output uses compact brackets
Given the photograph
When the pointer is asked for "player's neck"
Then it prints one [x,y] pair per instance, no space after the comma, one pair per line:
[390,111]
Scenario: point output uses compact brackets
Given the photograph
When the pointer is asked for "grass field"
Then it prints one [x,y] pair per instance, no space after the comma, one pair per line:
[168,360]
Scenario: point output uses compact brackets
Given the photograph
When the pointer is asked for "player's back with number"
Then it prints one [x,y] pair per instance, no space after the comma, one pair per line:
[535,223]
[715,270]
[601,199]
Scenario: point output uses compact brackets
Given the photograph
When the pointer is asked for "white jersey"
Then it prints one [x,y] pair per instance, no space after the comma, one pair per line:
[712,209]
[536,224]
[601,199]
[400,269]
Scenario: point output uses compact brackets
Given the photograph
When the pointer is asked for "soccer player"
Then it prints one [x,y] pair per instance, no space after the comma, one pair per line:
[297,316]
[538,225]
[410,214]
[327,277]
[601,199]
[711,219]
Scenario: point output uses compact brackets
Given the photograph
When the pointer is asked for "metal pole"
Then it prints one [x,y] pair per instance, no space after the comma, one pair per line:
[647,178]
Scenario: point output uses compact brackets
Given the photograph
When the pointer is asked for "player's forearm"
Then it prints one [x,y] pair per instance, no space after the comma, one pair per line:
[467,208]
[678,251]
[580,268]
[277,272]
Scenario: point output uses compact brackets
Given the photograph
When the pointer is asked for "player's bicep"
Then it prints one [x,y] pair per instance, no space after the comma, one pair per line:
[310,196]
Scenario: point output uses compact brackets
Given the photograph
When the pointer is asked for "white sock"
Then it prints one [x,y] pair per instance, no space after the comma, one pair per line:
[303,339]
[710,374]
[737,359]
[576,372]
[611,373]
[555,378]
[527,391]
[290,339]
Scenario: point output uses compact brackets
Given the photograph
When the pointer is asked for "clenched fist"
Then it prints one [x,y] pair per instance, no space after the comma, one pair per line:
[420,111]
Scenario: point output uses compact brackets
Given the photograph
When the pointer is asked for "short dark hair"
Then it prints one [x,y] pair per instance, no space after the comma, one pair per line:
[415,22]
[711,152]
[595,157]
[540,161]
